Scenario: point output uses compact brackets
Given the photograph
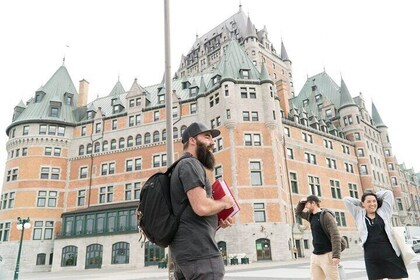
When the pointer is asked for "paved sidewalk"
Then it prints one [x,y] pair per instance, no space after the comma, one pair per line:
[290,270]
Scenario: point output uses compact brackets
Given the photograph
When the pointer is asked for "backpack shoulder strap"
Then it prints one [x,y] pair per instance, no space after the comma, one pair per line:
[170,168]
[321,220]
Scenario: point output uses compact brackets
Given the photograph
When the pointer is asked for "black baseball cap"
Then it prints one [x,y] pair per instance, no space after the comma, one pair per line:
[197,128]
[313,198]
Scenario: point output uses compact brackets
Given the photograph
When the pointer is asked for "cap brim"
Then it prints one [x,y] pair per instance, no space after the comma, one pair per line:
[214,132]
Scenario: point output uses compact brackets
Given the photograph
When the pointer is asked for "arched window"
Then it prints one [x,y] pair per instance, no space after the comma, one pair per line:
[147,138]
[183,128]
[156,136]
[121,143]
[69,256]
[105,146]
[89,149]
[164,135]
[40,259]
[138,139]
[97,147]
[81,150]
[130,141]
[175,132]
[120,253]
[113,144]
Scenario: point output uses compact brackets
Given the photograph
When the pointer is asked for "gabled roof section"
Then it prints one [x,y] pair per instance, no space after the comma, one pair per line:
[21,104]
[345,97]
[376,117]
[117,89]
[237,60]
[53,91]
[321,84]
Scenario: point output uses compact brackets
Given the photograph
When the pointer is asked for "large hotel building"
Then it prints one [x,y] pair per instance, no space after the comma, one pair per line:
[76,168]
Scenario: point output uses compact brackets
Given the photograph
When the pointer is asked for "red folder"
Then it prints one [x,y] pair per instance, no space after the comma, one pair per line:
[220,189]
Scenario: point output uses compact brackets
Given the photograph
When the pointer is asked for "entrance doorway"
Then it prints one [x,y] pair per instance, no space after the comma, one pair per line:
[263,249]
[94,256]
[222,249]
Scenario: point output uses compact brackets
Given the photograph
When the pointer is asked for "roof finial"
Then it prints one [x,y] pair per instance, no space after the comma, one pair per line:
[240,5]
[64,59]
[64,56]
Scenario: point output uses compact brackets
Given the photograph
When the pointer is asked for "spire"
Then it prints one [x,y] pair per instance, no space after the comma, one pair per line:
[283,54]
[345,97]
[250,30]
[376,117]
[118,89]
[264,77]
[203,87]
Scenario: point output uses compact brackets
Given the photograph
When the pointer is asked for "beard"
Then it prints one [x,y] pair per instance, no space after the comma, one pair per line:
[205,155]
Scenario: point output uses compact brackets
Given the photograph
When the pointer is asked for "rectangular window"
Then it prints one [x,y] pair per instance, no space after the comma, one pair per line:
[52,129]
[353,190]
[256,173]
[244,92]
[259,212]
[83,172]
[252,93]
[47,151]
[328,144]
[137,164]
[114,124]
[335,189]
[307,137]
[83,131]
[399,204]
[310,158]
[129,165]
[104,169]
[42,129]
[24,151]
[360,152]
[349,167]
[290,153]
[254,116]
[47,198]
[287,131]
[25,130]
[131,103]
[314,185]
[193,108]
[245,116]
[111,168]
[54,112]
[294,182]
[156,115]
[131,121]
[341,219]
[106,194]
[363,170]
[57,152]
[394,181]
[331,163]
[356,136]
[4,231]
[218,172]
[81,197]
[156,161]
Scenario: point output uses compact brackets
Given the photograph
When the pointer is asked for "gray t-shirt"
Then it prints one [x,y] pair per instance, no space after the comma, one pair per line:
[195,238]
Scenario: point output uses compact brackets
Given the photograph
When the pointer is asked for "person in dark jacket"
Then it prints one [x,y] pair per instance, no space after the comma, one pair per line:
[325,257]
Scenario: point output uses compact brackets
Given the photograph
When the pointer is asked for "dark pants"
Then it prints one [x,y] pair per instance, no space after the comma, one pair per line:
[206,269]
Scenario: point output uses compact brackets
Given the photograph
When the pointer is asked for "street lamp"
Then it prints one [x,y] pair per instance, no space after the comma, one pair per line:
[22,224]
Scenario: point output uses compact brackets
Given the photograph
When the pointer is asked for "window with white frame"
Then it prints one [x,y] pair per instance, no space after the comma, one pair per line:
[360,152]
[394,181]
[81,197]
[7,200]
[331,163]
[307,137]
[310,158]
[357,136]
[138,163]
[83,172]
[290,154]
[314,185]
[156,115]
[328,144]
[286,131]
[256,173]
[252,139]
[193,108]
[363,169]
[349,167]
[252,93]
[46,199]
[259,213]
[254,116]
[340,217]
[129,165]
[218,172]
[132,191]
[52,173]
[4,231]
[106,194]
[335,189]
[114,124]
[12,174]
[108,168]
[43,230]
[353,190]
[159,160]
[245,116]
[293,182]
[346,149]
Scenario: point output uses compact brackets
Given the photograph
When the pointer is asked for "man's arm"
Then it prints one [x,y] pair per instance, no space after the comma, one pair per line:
[354,205]
[299,210]
[332,229]
[204,206]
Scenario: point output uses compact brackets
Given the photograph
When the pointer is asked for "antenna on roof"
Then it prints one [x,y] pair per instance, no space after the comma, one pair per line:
[64,56]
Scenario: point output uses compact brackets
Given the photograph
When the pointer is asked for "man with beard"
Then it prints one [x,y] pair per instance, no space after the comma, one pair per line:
[325,257]
[194,249]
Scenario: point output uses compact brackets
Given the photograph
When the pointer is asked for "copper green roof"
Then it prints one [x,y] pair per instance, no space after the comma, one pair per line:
[118,89]
[376,117]
[345,97]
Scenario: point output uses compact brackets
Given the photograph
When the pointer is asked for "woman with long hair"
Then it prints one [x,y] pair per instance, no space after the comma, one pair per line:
[373,215]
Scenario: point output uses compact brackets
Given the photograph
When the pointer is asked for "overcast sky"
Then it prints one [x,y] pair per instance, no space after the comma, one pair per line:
[374,45]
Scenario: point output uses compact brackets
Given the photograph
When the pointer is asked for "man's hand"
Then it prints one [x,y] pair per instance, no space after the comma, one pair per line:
[228,200]
[335,261]
[226,223]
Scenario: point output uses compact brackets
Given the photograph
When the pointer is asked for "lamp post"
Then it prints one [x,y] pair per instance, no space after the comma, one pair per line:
[21,225]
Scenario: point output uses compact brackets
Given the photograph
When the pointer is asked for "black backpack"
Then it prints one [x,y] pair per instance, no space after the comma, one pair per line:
[321,220]
[155,216]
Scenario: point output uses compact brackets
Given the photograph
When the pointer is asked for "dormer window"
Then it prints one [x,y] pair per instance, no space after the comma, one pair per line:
[245,73]
[115,109]
[305,102]
[54,112]
[39,96]
[113,101]
[318,97]
[90,114]
[216,79]
[68,98]
[193,91]
[161,98]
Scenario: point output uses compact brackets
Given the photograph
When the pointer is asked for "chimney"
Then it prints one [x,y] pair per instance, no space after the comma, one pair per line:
[283,94]
[83,93]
